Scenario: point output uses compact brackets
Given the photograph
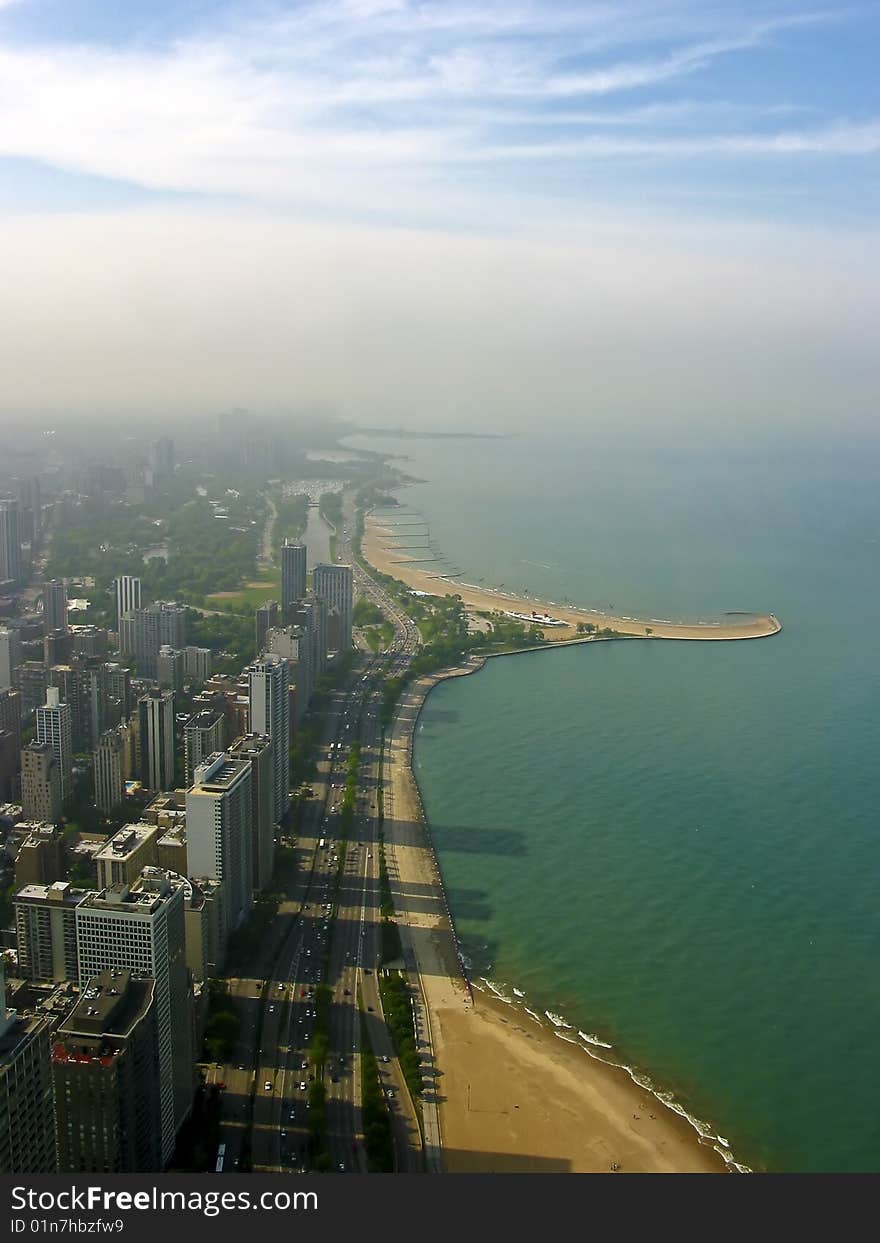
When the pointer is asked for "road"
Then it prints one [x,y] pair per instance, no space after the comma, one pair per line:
[327,931]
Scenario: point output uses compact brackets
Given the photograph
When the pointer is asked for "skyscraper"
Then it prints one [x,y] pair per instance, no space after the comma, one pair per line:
[45,930]
[112,768]
[142,632]
[162,459]
[105,1069]
[218,830]
[55,606]
[268,683]
[10,542]
[40,783]
[27,1116]
[128,596]
[257,750]
[156,733]
[141,928]
[54,728]
[10,656]
[203,735]
[293,574]
[265,618]
[335,585]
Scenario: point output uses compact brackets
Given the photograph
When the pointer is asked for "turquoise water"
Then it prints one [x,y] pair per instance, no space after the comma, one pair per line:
[677,845]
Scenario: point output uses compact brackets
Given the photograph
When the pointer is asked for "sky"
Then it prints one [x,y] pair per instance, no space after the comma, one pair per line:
[444,214]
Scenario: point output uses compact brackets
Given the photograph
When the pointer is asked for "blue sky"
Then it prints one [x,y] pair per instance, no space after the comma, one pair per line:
[436,113]
[743,133]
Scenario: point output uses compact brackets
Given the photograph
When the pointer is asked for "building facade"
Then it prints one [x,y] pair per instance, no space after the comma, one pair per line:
[269,714]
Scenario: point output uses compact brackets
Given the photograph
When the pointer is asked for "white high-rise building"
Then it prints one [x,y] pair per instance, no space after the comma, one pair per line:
[219,830]
[54,727]
[128,596]
[335,585]
[141,928]
[257,750]
[269,681]
[10,656]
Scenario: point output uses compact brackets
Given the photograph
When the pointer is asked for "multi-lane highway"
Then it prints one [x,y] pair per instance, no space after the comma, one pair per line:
[328,931]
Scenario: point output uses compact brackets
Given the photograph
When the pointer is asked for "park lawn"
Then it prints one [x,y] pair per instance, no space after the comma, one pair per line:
[251,594]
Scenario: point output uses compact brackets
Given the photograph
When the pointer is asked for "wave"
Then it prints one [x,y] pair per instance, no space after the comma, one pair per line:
[602,1044]
[556,1019]
[519,992]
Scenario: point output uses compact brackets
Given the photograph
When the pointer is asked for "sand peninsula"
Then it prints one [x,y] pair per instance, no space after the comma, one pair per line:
[379,550]
[510,1089]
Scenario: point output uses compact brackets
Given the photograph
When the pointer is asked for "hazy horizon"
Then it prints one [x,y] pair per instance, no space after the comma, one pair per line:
[440,215]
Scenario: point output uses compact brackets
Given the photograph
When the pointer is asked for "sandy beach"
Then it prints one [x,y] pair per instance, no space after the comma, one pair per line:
[378,549]
[507,1094]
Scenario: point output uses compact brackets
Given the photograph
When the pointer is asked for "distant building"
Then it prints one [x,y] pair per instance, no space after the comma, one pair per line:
[126,854]
[203,735]
[40,858]
[55,606]
[266,617]
[143,631]
[218,830]
[82,683]
[170,667]
[293,574]
[162,460]
[335,585]
[156,736]
[33,678]
[40,783]
[205,928]
[141,928]
[268,681]
[45,929]
[105,1069]
[10,542]
[10,657]
[54,727]
[27,1133]
[128,596]
[197,663]
[257,750]
[113,766]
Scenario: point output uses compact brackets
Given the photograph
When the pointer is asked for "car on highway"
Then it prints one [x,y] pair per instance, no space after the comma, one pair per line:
[271,1009]
[267,1086]
[304,1065]
[302,1085]
[385,1057]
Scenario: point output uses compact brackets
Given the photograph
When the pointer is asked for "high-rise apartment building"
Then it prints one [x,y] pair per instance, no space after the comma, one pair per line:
[55,605]
[141,928]
[112,760]
[128,596]
[82,683]
[162,460]
[10,745]
[156,734]
[33,678]
[10,656]
[105,1069]
[54,727]
[335,585]
[268,684]
[197,663]
[130,850]
[218,830]
[27,1115]
[203,735]
[257,750]
[293,574]
[142,632]
[266,618]
[10,542]
[40,859]
[40,783]
[45,929]
[170,668]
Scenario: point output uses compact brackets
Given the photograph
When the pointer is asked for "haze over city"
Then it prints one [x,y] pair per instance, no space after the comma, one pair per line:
[440,214]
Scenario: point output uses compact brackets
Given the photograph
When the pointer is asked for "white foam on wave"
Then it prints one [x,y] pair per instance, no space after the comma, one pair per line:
[532,1014]
[556,1019]
[496,991]
[602,1044]
[519,992]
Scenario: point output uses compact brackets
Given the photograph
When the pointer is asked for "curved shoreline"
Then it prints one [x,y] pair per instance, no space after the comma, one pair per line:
[480,599]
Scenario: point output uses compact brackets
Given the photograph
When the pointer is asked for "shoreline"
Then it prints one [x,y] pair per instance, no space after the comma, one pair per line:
[378,552]
[541,1106]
